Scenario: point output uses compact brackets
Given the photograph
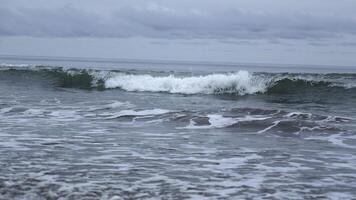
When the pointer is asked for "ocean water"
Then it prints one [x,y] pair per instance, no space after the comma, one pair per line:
[74,129]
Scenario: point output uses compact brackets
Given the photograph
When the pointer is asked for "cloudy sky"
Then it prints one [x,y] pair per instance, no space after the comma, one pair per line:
[319,32]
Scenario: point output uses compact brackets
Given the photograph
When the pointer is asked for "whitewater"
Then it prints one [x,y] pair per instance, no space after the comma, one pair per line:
[133,131]
[240,82]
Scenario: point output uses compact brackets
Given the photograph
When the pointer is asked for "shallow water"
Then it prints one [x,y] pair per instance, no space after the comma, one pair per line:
[148,134]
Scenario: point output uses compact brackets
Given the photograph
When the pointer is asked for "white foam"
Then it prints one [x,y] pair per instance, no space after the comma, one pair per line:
[65,115]
[219,121]
[233,163]
[139,113]
[270,127]
[5,110]
[34,111]
[13,65]
[116,104]
[112,105]
[50,101]
[295,114]
[215,121]
[248,118]
[340,195]
[337,118]
[335,139]
[241,82]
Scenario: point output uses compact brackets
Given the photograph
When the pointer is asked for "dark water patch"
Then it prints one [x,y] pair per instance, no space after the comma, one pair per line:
[59,77]
[201,121]
[80,79]
[181,118]
[306,116]
[287,86]
[14,110]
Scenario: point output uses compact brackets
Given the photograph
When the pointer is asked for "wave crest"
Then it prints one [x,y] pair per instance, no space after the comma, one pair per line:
[241,83]
[238,83]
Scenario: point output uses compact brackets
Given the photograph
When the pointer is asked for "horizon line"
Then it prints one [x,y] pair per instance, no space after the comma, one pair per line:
[161,61]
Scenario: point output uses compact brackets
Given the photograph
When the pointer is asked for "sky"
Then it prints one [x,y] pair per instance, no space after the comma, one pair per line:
[316,32]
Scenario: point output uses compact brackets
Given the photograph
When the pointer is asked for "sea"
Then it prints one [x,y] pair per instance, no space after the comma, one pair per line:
[80,128]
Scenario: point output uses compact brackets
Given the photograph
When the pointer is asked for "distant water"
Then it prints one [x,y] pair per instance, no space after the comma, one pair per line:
[144,130]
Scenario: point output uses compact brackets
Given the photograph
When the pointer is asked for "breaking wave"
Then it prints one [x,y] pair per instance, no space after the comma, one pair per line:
[237,83]
[241,83]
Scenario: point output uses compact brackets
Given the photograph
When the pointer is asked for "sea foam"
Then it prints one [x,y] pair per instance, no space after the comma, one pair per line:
[241,83]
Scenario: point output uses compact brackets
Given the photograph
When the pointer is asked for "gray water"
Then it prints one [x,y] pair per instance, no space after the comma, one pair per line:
[59,140]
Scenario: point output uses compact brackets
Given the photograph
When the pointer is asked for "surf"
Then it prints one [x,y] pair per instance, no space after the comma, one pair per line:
[231,83]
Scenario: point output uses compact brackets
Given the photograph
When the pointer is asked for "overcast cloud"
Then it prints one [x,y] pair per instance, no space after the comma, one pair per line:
[316,26]
[162,20]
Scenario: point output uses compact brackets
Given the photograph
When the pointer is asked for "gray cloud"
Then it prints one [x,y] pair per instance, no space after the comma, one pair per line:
[156,21]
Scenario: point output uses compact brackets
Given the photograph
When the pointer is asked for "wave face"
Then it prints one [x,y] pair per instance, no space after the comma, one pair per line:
[61,77]
[237,83]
